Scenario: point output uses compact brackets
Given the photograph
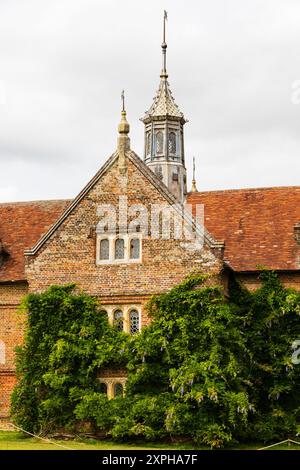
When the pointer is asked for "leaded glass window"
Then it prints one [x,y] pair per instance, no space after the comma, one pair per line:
[118,390]
[119,248]
[172,142]
[159,142]
[134,322]
[135,248]
[103,388]
[148,145]
[118,320]
[104,249]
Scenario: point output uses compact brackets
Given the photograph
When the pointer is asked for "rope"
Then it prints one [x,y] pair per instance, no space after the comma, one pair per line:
[278,444]
[70,448]
[41,438]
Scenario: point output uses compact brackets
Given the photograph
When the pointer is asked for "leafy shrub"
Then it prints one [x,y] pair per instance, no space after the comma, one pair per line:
[212,369]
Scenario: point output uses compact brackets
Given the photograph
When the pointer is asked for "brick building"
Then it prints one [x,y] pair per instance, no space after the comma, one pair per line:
[125,260]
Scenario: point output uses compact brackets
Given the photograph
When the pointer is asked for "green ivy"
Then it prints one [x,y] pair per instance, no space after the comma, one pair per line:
[68,341]
[208,368]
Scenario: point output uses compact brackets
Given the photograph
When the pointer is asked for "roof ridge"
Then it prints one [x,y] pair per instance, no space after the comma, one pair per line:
[149,174]
[264,188]
[73,204]
[38,201]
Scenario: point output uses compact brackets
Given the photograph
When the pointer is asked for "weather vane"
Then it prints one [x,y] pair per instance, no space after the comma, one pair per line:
[123,100]
[165,19]
[164,47]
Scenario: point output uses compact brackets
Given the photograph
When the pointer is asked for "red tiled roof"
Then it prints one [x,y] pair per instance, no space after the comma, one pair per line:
[257,225]
[21,225]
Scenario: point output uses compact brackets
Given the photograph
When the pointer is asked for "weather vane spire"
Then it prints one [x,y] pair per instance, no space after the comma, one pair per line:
[123,100]
[164,47]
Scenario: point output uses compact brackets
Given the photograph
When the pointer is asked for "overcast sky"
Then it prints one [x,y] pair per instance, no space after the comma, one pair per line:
[63,63]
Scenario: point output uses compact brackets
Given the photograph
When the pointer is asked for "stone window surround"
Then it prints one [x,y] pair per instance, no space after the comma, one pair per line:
[126,309]
[127,237]
[110,383]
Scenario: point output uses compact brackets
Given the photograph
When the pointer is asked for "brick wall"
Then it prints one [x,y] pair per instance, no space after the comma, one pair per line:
[69,256]
[11,333]
[252,282]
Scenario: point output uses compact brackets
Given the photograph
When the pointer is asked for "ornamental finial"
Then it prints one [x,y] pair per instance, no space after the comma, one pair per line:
[194,187]
[164,48]
[123,126]
[123,140]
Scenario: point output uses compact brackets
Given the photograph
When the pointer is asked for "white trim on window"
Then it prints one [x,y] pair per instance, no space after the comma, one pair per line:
[112,240]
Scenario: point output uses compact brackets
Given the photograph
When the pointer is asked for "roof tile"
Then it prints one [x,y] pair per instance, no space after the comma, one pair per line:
[21,225]
[256,224]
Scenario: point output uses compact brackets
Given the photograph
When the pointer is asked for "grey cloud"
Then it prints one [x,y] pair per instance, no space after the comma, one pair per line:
[64,62]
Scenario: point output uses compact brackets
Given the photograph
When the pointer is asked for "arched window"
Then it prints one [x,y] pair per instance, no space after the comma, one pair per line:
[134,322]
[103,388]
[2,353]
[104,249]
[119,248]
[118,320]
[118,389]
[172,142]
[134,248]
[148,143]
[159,142]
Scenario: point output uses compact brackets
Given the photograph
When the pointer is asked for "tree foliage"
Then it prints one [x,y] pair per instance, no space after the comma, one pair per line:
[209,368]
[67,343]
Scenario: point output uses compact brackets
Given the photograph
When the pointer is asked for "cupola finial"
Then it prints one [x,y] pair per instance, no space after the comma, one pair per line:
[123,140]
[164,48]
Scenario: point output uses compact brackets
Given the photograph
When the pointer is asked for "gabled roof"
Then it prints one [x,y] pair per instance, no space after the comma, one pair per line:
[164,104]
[258,225]
[21,225]
[151,177]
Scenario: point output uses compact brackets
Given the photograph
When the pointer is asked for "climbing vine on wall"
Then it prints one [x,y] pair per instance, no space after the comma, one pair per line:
[209,368]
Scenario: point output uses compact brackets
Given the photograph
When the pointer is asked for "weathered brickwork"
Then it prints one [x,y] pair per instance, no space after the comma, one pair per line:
[241,218]
[252,282]
[11,334]
[7,383]
[69,256]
